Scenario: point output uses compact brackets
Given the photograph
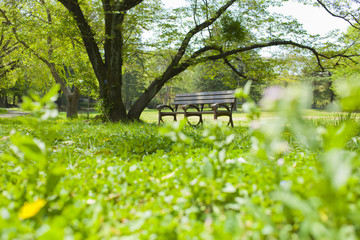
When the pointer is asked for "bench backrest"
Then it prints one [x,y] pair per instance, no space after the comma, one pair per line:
[202,98]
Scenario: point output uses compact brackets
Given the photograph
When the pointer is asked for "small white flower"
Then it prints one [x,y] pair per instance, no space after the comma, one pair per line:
[280,162]
[255,125]
[229,161]
[208,221]
[271,96]
[279,147]
[91,201]
[193,182]
[285,184]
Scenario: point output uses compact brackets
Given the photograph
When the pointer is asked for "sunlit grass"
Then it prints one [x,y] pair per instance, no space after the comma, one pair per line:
[139,174]
[3,111]
[239,117]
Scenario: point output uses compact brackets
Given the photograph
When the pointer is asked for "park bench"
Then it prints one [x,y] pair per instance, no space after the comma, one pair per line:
[220,103]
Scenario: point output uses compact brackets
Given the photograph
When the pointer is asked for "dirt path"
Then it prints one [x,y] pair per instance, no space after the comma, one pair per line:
[12,113]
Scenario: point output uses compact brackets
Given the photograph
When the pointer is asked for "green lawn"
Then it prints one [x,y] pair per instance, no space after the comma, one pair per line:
[151,116]
[84,179]
[3,111]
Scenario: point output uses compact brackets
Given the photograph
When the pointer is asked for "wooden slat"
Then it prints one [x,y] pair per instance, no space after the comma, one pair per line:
[207,93]
[177,98]
[182,102]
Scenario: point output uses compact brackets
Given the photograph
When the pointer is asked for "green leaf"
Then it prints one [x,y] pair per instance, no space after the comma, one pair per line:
[208,169]
[53,178]
[349,92]
[51,95]
[29,149]
[337,166]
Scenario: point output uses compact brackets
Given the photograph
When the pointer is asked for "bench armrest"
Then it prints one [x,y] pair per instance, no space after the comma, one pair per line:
[187,106]
[215,106]
[164,106]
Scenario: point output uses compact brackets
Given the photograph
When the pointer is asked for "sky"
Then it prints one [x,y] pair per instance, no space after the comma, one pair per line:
[315,20]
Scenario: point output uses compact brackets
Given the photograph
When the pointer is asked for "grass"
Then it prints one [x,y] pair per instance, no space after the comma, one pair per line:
[3,111]
[84,179]
[151,116]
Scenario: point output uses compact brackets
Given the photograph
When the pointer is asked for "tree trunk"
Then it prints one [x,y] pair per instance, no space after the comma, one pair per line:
[72,99]
[145,98]
[332,93]
[2,104]
[6,101]
[114,63]
[72,104]
[115,108]
[19,98]
[140,104]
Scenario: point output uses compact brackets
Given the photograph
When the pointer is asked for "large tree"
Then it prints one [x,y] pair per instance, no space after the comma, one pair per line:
[191,39]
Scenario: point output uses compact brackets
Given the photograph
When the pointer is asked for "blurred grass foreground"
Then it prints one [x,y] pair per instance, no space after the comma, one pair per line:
[283,174]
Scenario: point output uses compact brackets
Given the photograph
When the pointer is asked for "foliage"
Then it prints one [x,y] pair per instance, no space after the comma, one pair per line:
[281,178]
[348,90]
[349,66]
[232,29]
[52,48]
[211,76]
[42,108]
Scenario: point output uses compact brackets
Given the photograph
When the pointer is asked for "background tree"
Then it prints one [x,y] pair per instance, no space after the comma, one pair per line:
[342,51]
[340,55]
[46,32]
[7,46]
[7,64]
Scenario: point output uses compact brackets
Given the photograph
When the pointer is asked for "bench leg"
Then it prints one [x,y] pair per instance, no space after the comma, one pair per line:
[200,120]
[160,119]
[231,121]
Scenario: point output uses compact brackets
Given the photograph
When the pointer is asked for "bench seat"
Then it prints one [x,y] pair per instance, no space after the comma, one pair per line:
[221,103]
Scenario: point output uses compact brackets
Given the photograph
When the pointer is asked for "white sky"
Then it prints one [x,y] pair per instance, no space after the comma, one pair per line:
[174,3]
[315,20]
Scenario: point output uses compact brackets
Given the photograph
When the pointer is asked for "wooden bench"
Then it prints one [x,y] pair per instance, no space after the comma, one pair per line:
[221,103]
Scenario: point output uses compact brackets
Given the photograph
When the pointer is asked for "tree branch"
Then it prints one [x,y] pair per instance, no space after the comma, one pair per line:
[126,5]
[87,35]
[232,67]
[263,45]
[339,16]
[226,61]
[197,29]
[13,29]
